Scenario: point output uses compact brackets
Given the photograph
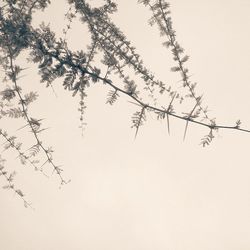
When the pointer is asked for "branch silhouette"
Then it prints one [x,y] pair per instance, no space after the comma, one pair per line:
[80,70]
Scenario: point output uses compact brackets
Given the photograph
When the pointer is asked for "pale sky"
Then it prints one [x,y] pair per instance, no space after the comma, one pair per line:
[156,192]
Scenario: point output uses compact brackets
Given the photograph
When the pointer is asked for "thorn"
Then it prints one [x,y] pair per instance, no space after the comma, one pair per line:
[185,131]
[135,103]
[168,124]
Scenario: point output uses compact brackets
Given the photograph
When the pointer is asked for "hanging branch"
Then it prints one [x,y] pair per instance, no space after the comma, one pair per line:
[21,155]
[90,57]
[70,15]
[9,178]
[33,123]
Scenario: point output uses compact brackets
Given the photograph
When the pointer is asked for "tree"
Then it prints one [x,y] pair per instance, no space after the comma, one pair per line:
[109,60]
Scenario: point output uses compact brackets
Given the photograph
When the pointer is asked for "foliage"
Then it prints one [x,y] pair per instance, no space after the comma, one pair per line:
[79,71]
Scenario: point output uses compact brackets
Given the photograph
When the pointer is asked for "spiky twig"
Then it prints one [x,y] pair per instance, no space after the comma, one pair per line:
[10,185]
[31,122]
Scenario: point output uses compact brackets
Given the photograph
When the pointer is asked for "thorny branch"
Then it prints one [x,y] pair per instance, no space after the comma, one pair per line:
[21,155]
[10,185]
[56,60]
[84,71]
[32,122]
[161,18]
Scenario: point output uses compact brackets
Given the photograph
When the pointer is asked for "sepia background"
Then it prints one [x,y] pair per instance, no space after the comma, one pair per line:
[155,192]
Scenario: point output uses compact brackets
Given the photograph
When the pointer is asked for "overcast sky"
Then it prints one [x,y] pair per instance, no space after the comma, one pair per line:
[156,192]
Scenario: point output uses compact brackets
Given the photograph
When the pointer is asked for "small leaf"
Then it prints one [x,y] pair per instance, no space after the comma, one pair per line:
[175,69]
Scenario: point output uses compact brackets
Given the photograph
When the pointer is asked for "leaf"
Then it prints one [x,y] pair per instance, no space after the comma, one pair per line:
[34,150]
[185,58]
[112,97]
[96,73]
[8,94]
[207,139]
[175,69]
[68,81]
[30,97]
[19,192]
[14,113]
[138,119]
[238,123]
